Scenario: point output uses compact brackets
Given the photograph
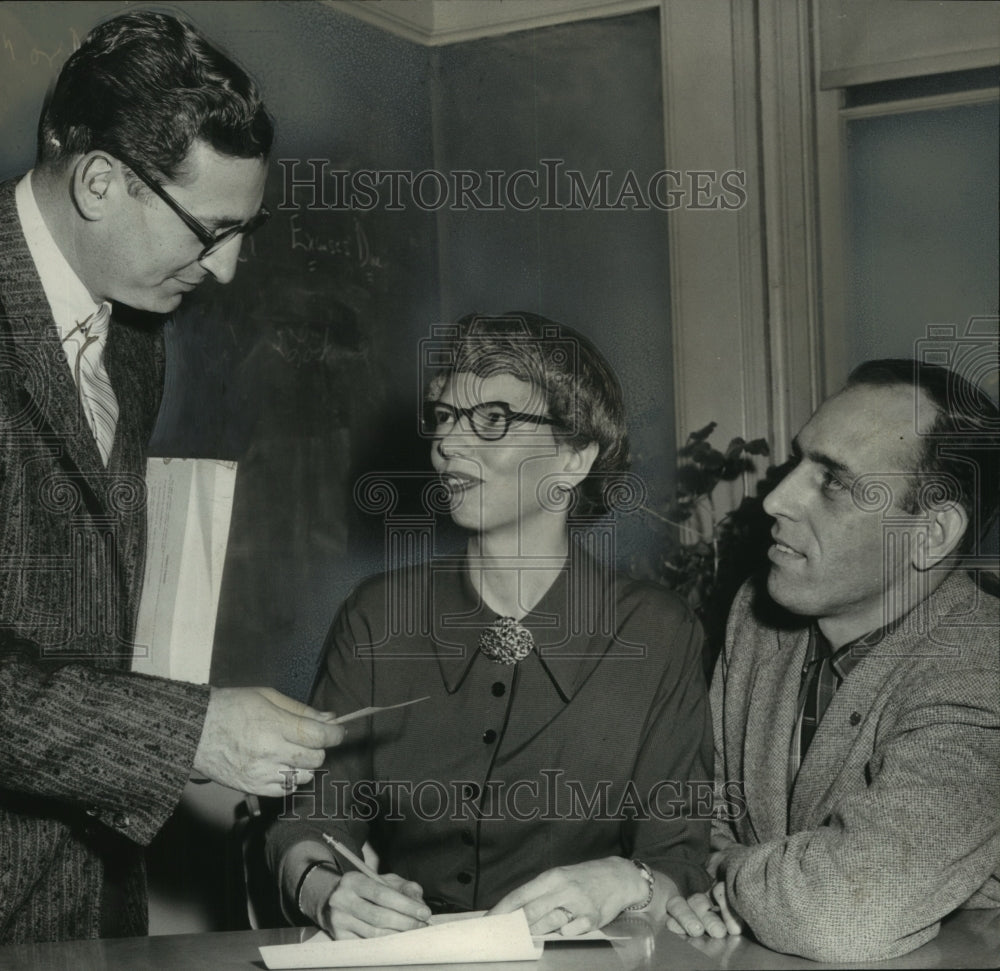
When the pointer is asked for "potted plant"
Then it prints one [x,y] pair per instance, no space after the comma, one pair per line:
[705,556]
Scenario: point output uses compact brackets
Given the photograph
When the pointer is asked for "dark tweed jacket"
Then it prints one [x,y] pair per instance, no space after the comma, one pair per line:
[93,759]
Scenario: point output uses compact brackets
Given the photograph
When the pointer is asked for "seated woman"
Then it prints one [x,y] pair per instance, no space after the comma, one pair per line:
[567,710]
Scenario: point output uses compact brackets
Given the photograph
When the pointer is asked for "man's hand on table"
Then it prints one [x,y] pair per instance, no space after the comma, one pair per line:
[703,913]
[707,913]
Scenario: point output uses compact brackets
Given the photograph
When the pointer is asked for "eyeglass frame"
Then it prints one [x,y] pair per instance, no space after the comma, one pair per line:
[510,416]
[211,242]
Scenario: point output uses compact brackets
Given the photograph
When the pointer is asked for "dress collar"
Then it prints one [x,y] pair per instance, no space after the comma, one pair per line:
[565,654]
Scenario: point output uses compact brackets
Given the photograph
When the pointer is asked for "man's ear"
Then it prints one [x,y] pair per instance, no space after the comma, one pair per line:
[579,460]
[94,178]
[949,522]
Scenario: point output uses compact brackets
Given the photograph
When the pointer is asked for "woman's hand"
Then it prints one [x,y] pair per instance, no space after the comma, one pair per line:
[361,907]
[576,899]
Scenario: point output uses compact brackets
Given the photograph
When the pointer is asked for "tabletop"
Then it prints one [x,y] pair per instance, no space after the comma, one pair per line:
[969,939]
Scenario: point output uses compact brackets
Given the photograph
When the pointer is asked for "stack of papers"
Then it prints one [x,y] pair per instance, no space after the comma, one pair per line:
[470,939]
[189,503]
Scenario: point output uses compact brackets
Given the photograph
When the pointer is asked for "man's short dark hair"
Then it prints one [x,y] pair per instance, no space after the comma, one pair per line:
[961,446]
[581,391]
[147,85]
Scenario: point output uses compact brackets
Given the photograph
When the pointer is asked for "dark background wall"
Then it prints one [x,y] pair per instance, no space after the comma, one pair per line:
[587,94]
[306,368]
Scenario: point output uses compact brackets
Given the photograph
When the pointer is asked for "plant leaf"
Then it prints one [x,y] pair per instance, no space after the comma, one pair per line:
[713,460]
[702,433]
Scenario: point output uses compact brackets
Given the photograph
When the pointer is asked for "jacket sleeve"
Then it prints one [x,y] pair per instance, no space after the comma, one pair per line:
[116,744]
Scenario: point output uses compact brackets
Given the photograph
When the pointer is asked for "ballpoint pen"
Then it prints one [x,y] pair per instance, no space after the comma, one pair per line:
[354,859]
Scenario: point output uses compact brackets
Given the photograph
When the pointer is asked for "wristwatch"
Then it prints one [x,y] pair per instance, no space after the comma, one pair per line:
[648,877]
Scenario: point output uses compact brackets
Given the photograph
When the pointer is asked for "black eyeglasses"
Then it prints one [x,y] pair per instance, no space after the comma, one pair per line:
[490,420]
[211,241]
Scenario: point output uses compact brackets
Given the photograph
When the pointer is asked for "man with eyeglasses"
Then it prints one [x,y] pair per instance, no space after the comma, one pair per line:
[151,164]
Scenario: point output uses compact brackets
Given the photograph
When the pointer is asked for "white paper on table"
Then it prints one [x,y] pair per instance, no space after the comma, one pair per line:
[475,941]
[189,504]
[595,935]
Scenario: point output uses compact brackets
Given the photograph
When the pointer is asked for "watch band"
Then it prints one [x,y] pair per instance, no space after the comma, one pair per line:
[650,880]
[317,864]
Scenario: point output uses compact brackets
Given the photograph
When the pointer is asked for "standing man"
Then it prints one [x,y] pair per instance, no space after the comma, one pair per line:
[151,165]
[857,704]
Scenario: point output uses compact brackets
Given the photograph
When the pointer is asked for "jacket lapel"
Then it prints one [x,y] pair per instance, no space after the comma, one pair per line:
[33,346]
[41,386]
[770,721]
[136,381]
[845,738]
[853,712]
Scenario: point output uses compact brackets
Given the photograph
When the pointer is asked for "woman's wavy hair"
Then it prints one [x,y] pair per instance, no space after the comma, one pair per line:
[581,391]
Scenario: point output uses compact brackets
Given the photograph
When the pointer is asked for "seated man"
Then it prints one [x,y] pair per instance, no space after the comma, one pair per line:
[863,727]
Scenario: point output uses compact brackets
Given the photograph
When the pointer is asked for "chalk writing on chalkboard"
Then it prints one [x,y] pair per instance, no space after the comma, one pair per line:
[49,59]
[353,245]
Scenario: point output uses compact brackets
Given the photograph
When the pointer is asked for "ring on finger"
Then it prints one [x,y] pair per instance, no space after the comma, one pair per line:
[568,914]
[290,779]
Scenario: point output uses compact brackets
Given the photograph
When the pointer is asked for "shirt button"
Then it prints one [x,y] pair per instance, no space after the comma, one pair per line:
[498,689]
[464,877]
[90,811]
[489,736]
[855,718]
[467,838]
[122,821]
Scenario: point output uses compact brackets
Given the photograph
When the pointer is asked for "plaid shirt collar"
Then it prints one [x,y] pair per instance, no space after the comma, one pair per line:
[847,657]
[824,670]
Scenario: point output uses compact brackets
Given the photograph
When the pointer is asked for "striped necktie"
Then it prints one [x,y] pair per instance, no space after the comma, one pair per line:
[96,394]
